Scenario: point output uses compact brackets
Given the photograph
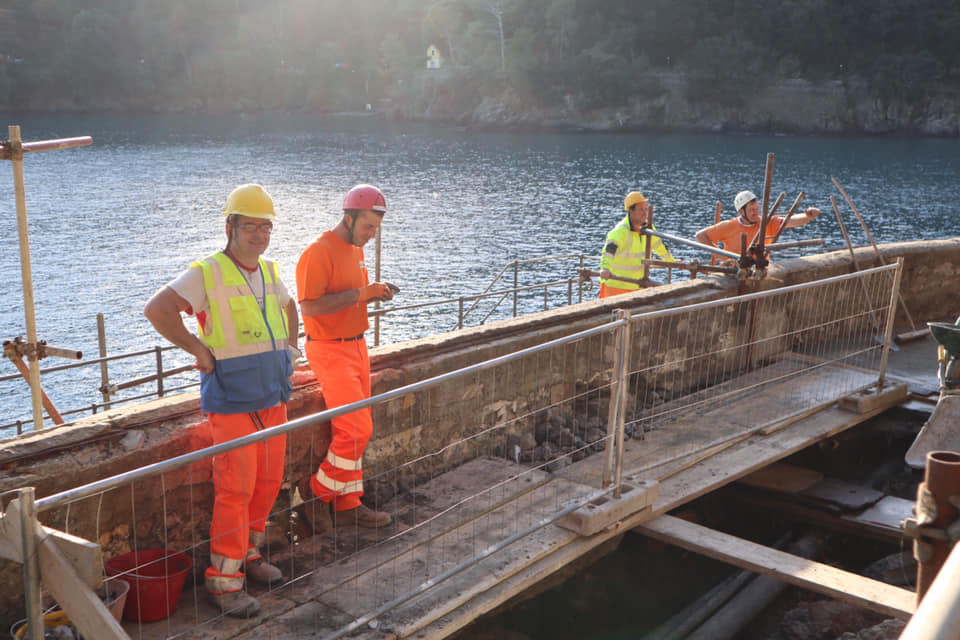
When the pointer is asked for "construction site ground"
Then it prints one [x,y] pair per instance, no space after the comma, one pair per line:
[669,467]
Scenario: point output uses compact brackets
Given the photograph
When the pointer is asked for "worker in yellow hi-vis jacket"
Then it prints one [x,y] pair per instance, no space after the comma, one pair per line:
[626,246]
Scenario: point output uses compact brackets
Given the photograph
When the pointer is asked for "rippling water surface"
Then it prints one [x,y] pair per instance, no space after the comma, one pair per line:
[111,223]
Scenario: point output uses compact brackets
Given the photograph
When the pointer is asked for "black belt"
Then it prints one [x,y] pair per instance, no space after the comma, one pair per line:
[350,339]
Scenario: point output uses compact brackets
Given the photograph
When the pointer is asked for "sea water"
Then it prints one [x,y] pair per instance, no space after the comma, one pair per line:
[111,223]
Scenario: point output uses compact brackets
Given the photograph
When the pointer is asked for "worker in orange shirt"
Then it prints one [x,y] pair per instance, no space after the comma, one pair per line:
[334,289]
[245,351]
[728,232]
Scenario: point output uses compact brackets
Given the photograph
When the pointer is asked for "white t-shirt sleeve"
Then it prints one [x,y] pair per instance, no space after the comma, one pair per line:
[189,285]
[283,296]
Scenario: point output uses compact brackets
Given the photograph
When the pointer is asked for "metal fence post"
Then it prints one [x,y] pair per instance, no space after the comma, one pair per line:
[613,462]
[31,564]
[580,281]
[159,354]
[516,283]
[891,313]
[104,373]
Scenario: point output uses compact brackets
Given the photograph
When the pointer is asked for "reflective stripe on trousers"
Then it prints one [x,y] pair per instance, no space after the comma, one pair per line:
[246,481]
[343,371]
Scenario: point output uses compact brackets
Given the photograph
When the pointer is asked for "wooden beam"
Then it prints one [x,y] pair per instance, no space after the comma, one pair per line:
[836,583]
[87,611]
[83,555]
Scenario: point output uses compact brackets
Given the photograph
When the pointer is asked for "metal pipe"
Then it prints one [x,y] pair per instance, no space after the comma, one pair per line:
[786,219]
[814,242]
[876,250]
[624,335]
[692,243]
[938,615]
[580,283]
[891,313]
[44,398]
[104,374]
[78,493]
[136,382]
[516,283]
[9,148]
[70,354]
[31,564]
[692,267]
[615,405]
[853,259]
[15,150]
[767,180]
[941,480]
[376,319]
[159,373]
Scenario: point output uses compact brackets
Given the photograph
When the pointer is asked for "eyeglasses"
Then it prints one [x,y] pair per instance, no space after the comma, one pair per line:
[250,227]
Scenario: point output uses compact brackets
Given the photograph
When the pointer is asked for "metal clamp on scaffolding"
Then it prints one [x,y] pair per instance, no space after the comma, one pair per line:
[18,349]
[936,527]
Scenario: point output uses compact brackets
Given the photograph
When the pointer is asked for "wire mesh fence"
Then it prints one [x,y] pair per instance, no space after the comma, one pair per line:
[467,463]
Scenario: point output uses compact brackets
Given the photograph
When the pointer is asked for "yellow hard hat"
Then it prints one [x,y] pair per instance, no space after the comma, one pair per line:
[250,200]
[632,198]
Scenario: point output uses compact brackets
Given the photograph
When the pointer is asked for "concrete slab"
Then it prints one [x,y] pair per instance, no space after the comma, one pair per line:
[940,433]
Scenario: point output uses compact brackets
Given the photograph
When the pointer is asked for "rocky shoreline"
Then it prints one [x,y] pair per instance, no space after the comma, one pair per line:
[672,102]
[790,106]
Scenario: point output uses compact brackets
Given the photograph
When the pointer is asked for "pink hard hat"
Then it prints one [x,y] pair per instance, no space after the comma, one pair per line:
[365,196]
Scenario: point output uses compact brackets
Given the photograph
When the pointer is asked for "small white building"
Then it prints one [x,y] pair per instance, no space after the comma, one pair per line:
[434,57]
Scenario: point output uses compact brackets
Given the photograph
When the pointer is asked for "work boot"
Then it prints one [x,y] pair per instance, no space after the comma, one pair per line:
[236,604]
[316,515]
[224,583]
[362,516]
[256,568]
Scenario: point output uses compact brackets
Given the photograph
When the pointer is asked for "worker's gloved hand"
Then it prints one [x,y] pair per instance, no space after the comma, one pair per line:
[375,291]
[605,274]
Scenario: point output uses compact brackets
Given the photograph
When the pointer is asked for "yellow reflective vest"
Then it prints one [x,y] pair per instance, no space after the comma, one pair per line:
[248,341]
[624,251]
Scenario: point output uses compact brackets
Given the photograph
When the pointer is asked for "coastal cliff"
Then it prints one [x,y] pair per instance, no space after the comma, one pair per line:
[677,102]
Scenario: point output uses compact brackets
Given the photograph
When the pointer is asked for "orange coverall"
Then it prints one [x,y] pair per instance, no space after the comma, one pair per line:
[337,353]
[728,232]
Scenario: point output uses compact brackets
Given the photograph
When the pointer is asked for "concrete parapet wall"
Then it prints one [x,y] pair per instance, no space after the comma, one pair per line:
[119,440]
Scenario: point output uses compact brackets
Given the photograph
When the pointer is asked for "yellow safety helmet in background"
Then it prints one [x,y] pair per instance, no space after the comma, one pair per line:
[632,198]
[250,200]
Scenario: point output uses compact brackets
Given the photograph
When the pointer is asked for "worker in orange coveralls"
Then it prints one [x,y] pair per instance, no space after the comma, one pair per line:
[248,336]
[728,232]
[334,289]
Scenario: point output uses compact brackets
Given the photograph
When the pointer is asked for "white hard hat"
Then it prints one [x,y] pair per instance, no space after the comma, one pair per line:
[743,198]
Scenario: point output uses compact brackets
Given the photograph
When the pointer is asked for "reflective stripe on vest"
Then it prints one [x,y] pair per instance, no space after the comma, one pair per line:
[247,329]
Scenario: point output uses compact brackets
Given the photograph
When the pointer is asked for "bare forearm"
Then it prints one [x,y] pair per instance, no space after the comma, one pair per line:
[293,324]
[329,303]
[703,238]
[163,312]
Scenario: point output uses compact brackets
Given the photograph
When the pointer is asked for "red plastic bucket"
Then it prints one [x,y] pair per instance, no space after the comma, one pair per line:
[156,579]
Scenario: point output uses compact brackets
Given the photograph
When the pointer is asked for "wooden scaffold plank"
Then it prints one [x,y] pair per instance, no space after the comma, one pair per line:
[836,583]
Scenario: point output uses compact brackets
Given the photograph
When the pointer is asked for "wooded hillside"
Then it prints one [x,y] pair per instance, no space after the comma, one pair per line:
[330,55]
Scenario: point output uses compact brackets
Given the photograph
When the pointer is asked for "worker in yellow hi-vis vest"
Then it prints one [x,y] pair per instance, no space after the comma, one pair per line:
[626,247]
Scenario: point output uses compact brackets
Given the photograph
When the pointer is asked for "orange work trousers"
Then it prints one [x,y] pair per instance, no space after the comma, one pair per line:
[246,481]
[343,371]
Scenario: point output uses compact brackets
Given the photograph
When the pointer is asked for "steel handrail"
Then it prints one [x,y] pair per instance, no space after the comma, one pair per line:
[69,496]
[514,265]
